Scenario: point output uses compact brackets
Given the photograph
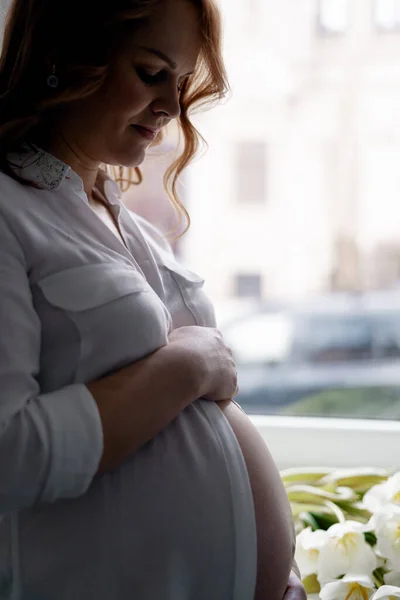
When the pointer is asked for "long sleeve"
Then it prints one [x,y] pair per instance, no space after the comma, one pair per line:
[50,444]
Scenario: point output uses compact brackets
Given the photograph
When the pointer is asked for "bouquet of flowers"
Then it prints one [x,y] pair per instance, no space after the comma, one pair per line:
[348,531]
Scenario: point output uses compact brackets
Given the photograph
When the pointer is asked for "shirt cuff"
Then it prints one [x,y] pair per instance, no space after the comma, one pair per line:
[76,442]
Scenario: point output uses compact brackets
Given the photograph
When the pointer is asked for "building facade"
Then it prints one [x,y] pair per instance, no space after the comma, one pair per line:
[299,191]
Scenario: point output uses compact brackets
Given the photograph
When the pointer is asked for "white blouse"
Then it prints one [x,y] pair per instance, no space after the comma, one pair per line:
[176,521]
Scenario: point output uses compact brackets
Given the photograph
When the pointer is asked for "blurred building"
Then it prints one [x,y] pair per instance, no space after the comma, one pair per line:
[299,191]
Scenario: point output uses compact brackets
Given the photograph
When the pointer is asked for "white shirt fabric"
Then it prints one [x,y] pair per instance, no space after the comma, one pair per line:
[176,520]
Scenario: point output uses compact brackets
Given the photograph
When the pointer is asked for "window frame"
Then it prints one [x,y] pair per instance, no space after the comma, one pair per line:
[331,443]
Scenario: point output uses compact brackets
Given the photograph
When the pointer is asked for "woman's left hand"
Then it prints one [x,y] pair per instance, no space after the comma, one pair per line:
[295,589]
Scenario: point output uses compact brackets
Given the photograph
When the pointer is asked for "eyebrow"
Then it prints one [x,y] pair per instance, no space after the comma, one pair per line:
[161,55]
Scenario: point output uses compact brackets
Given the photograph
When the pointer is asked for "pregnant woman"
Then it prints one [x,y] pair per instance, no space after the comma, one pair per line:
[126,473]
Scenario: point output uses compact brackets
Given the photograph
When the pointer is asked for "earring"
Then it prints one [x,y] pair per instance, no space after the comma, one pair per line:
[52,80]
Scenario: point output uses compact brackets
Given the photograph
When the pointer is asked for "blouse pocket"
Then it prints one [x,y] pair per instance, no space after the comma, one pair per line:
[191,296]
[117,316]
[90,286]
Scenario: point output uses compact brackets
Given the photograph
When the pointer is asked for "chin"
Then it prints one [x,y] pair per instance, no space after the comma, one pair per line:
[129,160]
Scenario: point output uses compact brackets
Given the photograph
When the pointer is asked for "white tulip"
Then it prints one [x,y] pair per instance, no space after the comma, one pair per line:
[392,578]
[351,587]
[308,546]
[387,592]
[345,551]
[383,493]
[386,524]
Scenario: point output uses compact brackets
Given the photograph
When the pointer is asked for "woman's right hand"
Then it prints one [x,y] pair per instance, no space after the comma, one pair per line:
[142,399]
[210,358]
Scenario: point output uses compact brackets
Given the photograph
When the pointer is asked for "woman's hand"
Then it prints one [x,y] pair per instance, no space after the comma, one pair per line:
[211,360]
[295,589]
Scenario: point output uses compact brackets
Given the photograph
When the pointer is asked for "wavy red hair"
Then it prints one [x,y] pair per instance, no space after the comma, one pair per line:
[40,32]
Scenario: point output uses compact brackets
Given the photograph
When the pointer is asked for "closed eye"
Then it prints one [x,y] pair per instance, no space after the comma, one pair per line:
[156,78]
[152,78]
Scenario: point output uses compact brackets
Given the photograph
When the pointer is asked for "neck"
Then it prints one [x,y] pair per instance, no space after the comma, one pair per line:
[72,155]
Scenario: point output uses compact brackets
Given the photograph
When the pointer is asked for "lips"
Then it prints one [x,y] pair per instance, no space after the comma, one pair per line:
[146,132]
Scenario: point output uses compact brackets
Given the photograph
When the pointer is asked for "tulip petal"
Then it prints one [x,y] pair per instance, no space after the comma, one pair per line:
[388,592]
[333,591]
[308,546]
[346,551]
[351,587]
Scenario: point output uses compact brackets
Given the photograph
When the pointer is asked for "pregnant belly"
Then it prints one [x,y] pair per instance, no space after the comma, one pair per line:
[175,522]
[275,531]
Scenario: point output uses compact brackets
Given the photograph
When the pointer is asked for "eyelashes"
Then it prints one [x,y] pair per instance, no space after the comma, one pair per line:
[156,78]
[150,78]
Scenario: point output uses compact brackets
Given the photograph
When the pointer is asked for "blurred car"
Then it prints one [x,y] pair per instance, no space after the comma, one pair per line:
[336,342]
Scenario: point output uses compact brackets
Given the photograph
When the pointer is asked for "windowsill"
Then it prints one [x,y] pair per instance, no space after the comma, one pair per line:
[302,442]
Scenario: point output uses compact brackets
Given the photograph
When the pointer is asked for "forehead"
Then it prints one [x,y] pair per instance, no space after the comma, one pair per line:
[174,30]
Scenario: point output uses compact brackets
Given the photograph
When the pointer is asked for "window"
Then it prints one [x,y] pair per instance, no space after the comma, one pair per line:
[250,171]
[333,16]
[387,15]
[317,361]
[248,286]
[263,338]
[328,339]
[318,348]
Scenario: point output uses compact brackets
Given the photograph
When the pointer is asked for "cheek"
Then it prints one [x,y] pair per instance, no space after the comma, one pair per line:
[127,97]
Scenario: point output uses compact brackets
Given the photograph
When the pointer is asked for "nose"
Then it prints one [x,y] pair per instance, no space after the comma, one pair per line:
[167,103]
